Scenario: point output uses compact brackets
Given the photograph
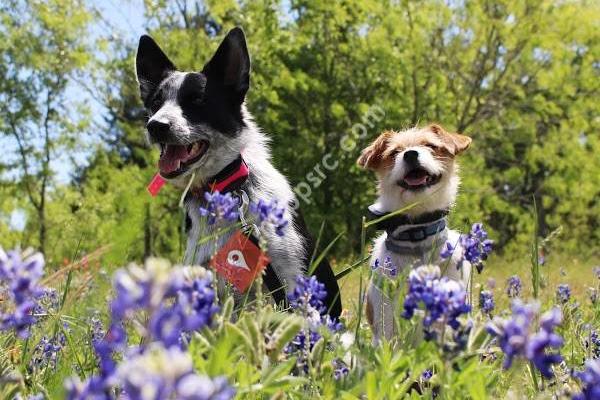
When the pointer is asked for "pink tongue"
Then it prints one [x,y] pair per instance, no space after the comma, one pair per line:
[416,180]
[169,161]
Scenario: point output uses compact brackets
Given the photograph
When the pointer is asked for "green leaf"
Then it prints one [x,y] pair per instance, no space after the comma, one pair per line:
[284,333]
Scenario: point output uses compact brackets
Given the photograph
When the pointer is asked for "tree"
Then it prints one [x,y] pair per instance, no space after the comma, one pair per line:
[41,48]
[475,67]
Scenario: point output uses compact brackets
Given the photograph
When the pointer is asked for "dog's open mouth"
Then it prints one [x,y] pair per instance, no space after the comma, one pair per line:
[418,178]
[175,159]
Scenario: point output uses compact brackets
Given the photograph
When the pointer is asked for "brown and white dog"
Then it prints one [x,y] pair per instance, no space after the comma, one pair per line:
[414,167]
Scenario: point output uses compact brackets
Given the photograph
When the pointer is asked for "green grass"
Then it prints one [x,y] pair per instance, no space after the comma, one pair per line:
[559,268]
[384,372]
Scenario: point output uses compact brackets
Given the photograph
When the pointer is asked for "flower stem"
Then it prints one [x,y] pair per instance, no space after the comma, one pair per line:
[533,376]
[363,235]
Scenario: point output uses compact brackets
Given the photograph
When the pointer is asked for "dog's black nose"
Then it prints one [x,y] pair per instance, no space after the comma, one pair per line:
[158,130]
[411,157]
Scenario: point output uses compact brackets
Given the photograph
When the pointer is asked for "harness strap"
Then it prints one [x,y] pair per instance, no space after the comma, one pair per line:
[419,233]
[274,285]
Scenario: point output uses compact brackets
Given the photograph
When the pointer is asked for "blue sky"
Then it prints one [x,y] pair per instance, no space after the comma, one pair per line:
[125,20]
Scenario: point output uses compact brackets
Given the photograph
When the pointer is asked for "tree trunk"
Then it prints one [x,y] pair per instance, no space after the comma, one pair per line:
[42,230]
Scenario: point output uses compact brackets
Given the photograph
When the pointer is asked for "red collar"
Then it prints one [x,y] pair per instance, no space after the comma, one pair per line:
[229,178]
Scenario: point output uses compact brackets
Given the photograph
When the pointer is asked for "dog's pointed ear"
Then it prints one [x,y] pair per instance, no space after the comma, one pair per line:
[372,156]
[230,65]
[454,143]
[152,66]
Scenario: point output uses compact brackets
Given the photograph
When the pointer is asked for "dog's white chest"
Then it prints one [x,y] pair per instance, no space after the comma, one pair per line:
[382,307]
[204,240]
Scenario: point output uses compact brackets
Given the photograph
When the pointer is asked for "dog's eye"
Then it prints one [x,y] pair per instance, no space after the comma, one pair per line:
[432,146]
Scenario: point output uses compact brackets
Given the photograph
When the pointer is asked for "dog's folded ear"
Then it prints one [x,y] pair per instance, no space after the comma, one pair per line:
[373,155]
[230,65]
[454,143]
[152,66]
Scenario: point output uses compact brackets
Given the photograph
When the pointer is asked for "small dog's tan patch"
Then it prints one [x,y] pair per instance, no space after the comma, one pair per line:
[374,156]
[454,143]
[380,154]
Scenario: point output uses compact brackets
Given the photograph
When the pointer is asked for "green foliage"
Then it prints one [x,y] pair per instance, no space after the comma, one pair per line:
[520,78]
[247,343]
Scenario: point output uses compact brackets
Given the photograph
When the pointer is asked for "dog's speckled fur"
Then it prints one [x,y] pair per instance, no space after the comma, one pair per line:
[208,107]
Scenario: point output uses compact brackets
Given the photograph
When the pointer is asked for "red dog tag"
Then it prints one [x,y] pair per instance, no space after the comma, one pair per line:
[156,184]
[240,261]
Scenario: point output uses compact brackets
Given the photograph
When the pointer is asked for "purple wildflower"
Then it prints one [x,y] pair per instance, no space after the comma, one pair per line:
[130,294]
[592,342]
[176,302]
[517,339]
[447,250]
[269,213]
[442,299]
[590,379]
[220,207]
[93,388]
[387,268]
[514,332]
[309,292]
[563,293]
[541,258]
[460,337]
[192,310]
[514,286]
[19,281]
[427,375]
[476,246]
[544,339]
[96,329]
[45,353]
[114,341]
[593,294]
[307,299]
[597,271]
[305,340]
[168,373]
[47,303]
[340,369]
[486,301]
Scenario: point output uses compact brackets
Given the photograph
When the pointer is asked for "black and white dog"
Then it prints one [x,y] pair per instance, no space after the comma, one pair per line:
[201,125]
